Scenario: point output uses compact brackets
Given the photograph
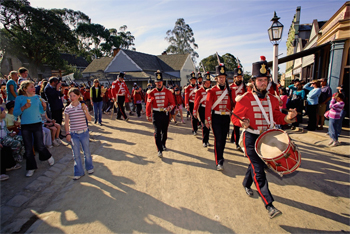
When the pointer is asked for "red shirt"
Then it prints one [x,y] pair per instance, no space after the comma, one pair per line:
[223,107]
[179,101]
[248,108]
[86,95]
[159,99]
[200,99]
[137,96]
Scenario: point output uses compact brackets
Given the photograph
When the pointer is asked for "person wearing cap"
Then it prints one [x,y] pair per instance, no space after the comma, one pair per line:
[54,94]
[119,93]
[249,113]
[199,80]
[312,103]
[199,105]
[239,88]
[190,92]
[326,95]
[218,108]
[160,102]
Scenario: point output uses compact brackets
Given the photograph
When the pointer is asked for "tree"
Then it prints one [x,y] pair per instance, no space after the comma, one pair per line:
[246,76]
[35,33]
[228,59]
[181,40]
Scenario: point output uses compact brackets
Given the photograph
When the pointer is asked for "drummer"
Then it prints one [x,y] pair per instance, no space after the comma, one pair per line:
[259,111]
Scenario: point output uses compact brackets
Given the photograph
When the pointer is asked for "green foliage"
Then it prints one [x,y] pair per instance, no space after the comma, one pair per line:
[228,59]
[68,69]
[246,76]
[35,33]
[181,40]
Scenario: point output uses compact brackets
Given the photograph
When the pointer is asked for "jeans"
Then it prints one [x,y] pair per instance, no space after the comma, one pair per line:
[28,132]
[98,111]
[83,140]
[334,128]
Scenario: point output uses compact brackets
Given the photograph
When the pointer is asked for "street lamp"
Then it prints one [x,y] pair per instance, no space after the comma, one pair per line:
[275,35]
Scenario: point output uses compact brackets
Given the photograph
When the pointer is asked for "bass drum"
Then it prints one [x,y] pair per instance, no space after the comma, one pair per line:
[275,148]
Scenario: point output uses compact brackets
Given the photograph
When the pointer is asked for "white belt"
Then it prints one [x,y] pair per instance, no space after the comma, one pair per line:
[202,105]
[222,112]
[79,132]
[191,100]
[256,132]
[160,109]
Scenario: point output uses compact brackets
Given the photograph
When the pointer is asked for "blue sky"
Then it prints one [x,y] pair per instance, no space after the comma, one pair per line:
[236,27]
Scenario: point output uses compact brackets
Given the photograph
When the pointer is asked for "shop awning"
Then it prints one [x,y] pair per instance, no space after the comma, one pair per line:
[300,54]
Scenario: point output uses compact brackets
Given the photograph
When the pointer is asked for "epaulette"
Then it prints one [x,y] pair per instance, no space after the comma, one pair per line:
[239,97]
[149,91]
[172,90]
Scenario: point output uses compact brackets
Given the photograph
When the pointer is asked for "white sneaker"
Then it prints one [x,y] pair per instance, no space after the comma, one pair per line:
[30,173]
[49,146]
[58,140]
[335,143]
[51,161]
[55,143]
[90,171]
[4,177]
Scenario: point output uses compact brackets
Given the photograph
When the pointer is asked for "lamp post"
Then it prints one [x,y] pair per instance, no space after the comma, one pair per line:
[275,35]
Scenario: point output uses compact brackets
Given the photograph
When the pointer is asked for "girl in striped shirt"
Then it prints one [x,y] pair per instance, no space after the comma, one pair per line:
[336,106]
[77,131]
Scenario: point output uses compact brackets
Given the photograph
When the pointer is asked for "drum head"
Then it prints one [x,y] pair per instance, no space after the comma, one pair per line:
[273,144]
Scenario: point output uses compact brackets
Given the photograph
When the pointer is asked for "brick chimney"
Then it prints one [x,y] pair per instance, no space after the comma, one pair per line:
[164,53]
[115,51]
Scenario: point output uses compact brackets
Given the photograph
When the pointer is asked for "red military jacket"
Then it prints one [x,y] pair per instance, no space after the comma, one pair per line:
[224,107]
[272,87]
[248,108]
[238,89]
[120,89]
[190,94]
[200,99]
[159,100]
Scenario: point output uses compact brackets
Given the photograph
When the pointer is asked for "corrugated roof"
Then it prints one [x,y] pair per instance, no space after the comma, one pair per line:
[175,61]
[98,64]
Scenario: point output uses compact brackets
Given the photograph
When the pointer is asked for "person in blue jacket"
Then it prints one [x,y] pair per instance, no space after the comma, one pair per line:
[312,103]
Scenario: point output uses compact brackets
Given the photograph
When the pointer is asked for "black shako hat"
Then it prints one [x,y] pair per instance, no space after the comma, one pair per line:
[220,70]
[259,69]
[199,75]
[159,76]
[193,76]
[238,71]
[121,75]
[207,76]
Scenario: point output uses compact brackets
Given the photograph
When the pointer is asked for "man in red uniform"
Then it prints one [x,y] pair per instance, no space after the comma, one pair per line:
[189,101]
[259,110]
[199,104]
[238,88]
[119,92]
[200,80]
[162,101]
[217,114]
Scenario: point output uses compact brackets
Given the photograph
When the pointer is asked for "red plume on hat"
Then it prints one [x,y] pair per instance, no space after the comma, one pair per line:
[262,58]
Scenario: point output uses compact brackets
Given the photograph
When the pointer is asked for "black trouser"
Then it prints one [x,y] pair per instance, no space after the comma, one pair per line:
[205,131]
[57,115]
[28,132]
[134,106]
[256,170]
[312,112]
[138,109]
[110,105]
[220,124]
[194,121]
[160,123]
[6,159]
[235,135]
[121,110]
